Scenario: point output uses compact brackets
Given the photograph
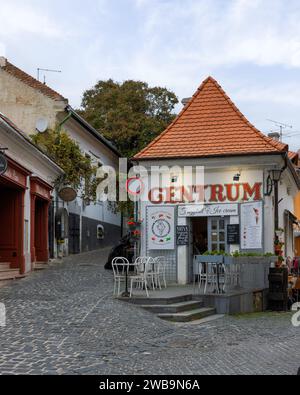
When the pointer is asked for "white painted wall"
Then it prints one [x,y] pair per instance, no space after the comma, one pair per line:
[221,171]
[96,149]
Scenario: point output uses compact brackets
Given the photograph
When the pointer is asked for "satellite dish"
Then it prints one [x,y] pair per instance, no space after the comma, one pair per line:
[42,125]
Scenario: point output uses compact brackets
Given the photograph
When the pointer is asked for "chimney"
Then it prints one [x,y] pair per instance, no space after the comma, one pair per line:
[185,101]
[2,61]
[274,136]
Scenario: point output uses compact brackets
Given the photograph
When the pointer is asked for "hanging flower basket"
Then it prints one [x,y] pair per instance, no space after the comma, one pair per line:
[133,225]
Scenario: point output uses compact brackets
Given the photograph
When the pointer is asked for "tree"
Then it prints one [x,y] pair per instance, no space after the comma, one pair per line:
[78,168]
[130,114]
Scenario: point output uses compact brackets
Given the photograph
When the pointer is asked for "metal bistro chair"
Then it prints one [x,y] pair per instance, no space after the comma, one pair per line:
[207,269]
[160,271]
[120,267]
[144,271]
[140,264]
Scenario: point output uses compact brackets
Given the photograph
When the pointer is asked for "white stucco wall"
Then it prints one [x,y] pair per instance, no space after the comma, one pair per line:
[97,150]
[252,170]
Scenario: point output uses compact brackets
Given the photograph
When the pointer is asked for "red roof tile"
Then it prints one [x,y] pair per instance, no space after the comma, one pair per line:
[32,82]
[210,125]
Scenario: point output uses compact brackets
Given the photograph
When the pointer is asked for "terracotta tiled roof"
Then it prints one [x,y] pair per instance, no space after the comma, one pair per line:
[292,155]
[32,82]
[210,125]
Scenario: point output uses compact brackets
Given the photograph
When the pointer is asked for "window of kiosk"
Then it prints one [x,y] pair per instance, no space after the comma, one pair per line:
[217,234]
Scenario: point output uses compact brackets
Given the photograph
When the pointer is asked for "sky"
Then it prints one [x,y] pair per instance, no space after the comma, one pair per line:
[252,48]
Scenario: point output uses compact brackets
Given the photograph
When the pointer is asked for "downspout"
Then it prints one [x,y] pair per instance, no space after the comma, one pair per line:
[64,120]
[276,208]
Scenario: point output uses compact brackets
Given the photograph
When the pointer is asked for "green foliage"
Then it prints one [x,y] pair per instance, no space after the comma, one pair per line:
[130,114]
[79,171]
[237,254]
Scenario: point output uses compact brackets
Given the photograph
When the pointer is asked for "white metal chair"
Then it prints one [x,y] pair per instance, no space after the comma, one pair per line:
[120,266]
[200,273]
[142,276]
[211,276]
[160,271]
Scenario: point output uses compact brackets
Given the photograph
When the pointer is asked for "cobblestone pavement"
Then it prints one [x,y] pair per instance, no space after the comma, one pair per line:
[64,321]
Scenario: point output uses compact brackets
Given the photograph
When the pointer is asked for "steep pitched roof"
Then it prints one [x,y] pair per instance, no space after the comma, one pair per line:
[292,155]
[30,81]
[210,125]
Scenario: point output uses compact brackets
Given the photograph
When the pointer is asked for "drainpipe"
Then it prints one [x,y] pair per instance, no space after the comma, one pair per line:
[64,121]
[276,209]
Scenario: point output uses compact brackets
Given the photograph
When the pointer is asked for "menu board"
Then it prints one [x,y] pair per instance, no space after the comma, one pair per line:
[161,228]
[251,225]
[233,234]
[182,235]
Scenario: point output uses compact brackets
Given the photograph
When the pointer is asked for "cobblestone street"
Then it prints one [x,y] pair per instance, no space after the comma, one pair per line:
[63,320]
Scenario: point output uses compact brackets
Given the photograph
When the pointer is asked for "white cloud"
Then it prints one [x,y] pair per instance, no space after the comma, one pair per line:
[218,33]
[16,18]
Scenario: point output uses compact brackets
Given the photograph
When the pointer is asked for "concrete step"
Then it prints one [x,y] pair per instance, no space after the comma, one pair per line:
[9,274]
[173,308]
[186,316]
[159,300]
[41,266]
[202,321]
[4,265]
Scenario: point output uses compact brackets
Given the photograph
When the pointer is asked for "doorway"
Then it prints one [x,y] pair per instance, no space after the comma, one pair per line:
[41,230]
[200,240]
[11,228]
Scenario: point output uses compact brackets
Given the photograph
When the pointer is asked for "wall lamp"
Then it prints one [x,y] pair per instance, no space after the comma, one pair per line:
[237,177]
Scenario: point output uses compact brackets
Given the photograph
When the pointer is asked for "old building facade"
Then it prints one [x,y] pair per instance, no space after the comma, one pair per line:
[34,108]
[246,192]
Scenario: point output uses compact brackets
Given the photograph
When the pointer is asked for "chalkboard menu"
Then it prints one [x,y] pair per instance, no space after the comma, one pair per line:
[182,235]
[233,234]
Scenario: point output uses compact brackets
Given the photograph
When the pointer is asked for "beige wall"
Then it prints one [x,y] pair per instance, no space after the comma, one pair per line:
[25,105]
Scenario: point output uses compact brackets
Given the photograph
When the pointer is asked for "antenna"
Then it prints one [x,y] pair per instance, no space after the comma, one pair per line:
[281,126]
[47,71]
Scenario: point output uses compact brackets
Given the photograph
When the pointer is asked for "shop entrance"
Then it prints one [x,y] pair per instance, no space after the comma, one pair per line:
[11,229]
[200,234]
[208,234]
[41,230]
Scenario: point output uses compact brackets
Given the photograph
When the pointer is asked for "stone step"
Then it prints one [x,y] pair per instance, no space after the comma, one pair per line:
[173,308]
[159,300]
[203,321]
[186,316]
[10,274]
[4,265]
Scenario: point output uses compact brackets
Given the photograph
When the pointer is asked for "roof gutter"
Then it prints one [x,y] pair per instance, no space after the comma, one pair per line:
[73,114]
[289,165]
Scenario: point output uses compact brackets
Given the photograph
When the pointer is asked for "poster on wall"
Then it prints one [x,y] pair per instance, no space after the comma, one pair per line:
[251,226]
[161,228]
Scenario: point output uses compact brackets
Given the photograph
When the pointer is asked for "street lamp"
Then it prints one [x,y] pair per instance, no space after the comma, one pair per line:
[276,174]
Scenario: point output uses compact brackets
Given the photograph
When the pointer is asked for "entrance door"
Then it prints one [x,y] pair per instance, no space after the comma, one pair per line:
[74,234]
[41,231]
[217,233]
[11,226]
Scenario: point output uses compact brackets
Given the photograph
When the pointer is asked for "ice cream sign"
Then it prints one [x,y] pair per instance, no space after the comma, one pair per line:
[160,224]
